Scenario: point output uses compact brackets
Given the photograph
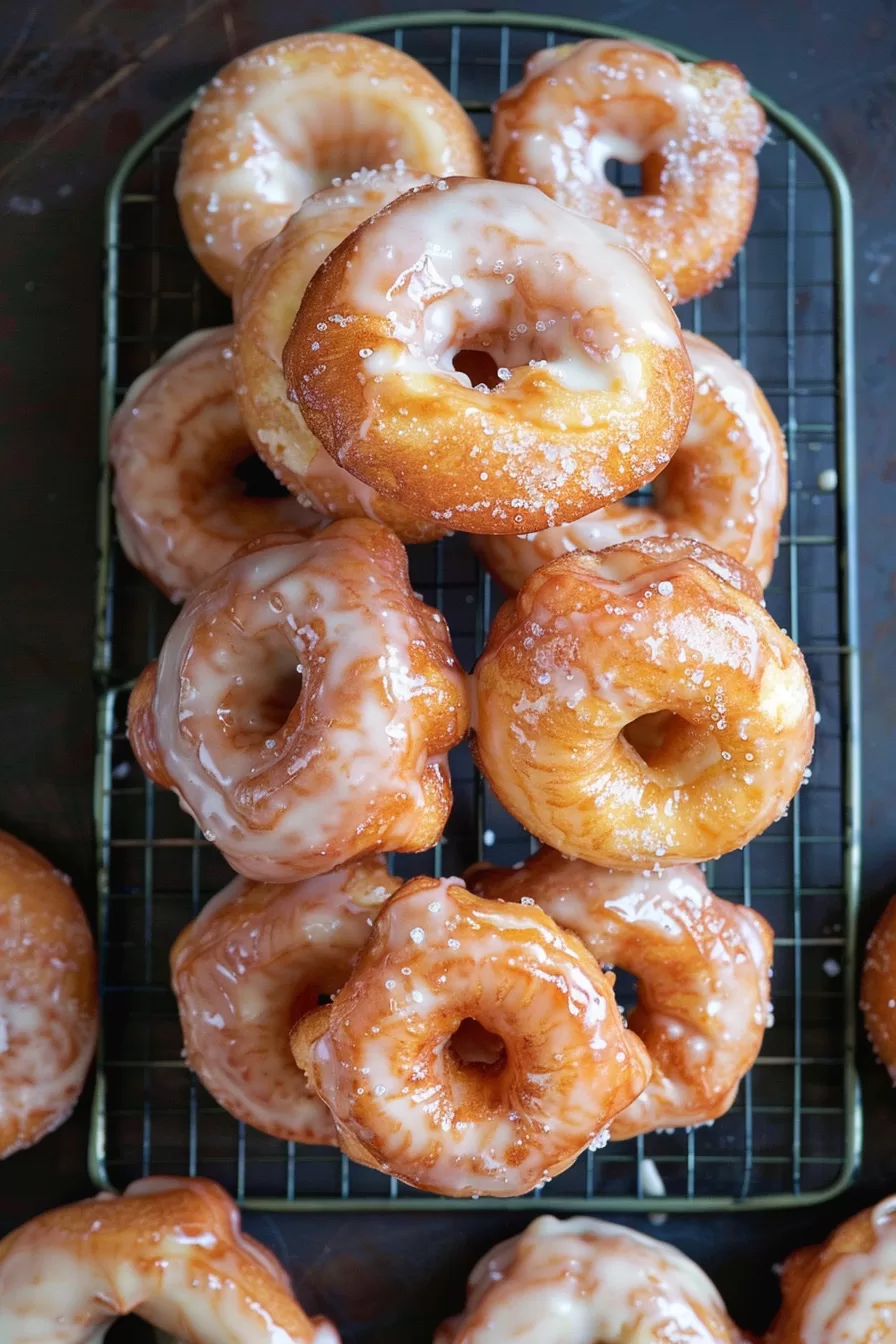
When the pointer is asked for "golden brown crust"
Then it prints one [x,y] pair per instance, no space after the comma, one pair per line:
[695,129]
[47,980]
[844,1290]
[593,643]
[878,990]
[702,965]
[578,1279]
[283,120]
[269,290]
[405,1097]
[292,776]
[174,443]
[131,1253]
[726,484]
[537,451]
[250,966]
[141,727]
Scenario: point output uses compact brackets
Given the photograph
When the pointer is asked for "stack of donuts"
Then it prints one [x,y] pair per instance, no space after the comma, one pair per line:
[432,335]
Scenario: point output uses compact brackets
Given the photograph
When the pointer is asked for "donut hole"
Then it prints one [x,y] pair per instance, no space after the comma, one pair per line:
[671,749]
[625,988]
[648,734]
[348,139]
[262,696]
[489,357]
[479,366]
[132,1328]
[473,1046]
[256,479]
[628,177]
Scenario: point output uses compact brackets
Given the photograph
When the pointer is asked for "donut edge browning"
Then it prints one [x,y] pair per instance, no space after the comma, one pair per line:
[58,902]
[551,878]
[877,993]
[804,1270]
[514,614]
[141,727]
[195,1211]
[387,447]
[310,1030]
[747,132]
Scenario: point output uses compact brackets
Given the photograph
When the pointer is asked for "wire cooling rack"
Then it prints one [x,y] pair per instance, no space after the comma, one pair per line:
[794,1134]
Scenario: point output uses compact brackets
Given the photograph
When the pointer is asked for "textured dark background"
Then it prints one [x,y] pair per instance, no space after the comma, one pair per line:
[79,81]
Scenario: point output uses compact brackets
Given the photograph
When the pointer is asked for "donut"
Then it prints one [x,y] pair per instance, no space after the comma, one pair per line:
[283,120]
[638,707]
[474,1049]
[726,485]
[878,990]
[591,386]
[702,966]
[843,1291]
[174,441]
[303,704]
[694,129]
[579,1280]
[245,970]
[48,997]
[169,1249]
[268,292]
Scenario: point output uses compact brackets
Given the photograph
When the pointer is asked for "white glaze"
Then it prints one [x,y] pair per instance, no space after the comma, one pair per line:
[44,1053]
[484,261]
[65,1283]
[592,388]
[292,156]
[746,450]
[731,497]
[710,959]
[174,441]
[662,639]
[580,1281]
[278,804]
[272,287]
[286,119]
[693,126]
[437,958]
[48,1007]
[854,1299]
[240,970]
[575,152]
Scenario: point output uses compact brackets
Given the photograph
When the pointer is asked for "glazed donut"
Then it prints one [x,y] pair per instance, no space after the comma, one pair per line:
[694,129]
[579,1280]
[594,643]
[174,441]
[170,1249]
[303,704]
[592,387]
[472,1115]
[726,485]
[284,120]
[248,967]
[48,997]
[878,991]
[268,292]
[702,966]
[844,1291]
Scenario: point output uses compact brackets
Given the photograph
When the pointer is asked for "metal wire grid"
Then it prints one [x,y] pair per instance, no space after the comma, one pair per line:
[794,1133]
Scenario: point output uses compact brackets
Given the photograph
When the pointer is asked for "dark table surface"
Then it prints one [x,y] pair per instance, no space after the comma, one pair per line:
[79,80]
